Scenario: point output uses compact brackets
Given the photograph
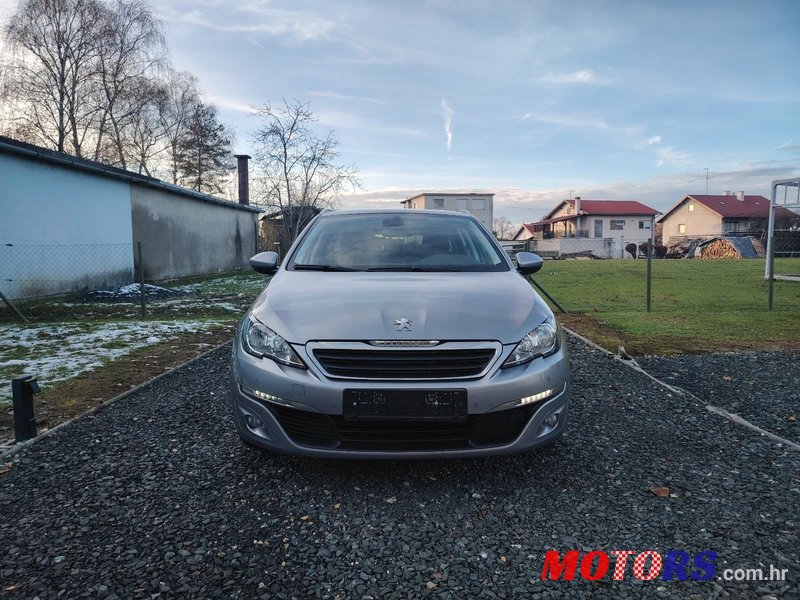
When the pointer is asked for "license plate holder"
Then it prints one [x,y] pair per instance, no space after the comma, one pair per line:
[405,405]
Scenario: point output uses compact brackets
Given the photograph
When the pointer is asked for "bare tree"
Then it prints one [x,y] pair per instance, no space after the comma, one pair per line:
[299,170]
[182,98]
[54,74]
[145,143]
[133,51]
[503,229]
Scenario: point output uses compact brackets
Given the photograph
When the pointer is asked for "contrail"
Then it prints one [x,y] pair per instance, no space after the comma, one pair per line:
[447,114]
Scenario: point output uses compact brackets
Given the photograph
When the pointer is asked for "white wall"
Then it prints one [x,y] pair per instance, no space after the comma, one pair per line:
[456,203]
[601,248]
[630,229]
[68,230]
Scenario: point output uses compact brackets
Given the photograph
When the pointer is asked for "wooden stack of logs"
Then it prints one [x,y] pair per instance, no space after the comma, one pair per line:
[720,249]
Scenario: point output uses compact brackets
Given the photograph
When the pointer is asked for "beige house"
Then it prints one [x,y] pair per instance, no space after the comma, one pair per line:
[698,217]
[627,220]
[480,205]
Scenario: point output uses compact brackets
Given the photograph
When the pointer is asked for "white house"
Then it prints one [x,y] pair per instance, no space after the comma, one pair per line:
[480,205]
[627,220]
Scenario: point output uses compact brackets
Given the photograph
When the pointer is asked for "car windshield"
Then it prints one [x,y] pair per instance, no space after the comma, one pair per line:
[397,242]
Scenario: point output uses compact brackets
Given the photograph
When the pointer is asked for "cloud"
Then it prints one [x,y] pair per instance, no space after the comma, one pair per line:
[447,115]
[231,104]
[582,76]
[656,139]
[667,155]
[347,120]
[296,26]
[566,120]
[347,97]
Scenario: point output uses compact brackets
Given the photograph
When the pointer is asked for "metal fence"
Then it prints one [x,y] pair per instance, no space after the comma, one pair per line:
[90,281]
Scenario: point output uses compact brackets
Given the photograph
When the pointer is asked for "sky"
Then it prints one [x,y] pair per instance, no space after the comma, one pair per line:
[535,101]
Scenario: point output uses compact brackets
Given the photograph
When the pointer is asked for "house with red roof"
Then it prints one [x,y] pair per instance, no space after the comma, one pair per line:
[701,216]
[627,220]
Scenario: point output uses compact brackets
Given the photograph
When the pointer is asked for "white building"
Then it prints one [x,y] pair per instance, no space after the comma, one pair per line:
[480,205]
[598,219]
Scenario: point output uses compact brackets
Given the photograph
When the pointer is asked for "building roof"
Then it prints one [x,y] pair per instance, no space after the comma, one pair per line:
[613,208]
[445,194]
[39,154]
[730,207]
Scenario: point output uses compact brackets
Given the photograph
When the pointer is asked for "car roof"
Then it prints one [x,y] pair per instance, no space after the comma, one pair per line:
[395,211]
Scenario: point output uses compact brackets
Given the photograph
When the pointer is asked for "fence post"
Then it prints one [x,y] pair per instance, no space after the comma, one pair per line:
[771,271]
[649,269]
[142,292]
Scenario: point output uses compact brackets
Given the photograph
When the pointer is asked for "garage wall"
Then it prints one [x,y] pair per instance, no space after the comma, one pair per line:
[183,236]
[61,230]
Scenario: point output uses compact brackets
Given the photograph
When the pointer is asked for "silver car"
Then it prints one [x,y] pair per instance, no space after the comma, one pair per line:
[399,334]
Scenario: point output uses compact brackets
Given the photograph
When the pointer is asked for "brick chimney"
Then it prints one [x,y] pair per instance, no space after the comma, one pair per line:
[243,167]
[740,196]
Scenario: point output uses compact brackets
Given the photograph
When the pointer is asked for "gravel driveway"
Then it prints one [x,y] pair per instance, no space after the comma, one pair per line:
[762,387]
[155,495]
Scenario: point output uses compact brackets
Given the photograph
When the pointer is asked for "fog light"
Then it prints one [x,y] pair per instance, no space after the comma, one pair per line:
[551,420]
[253,422]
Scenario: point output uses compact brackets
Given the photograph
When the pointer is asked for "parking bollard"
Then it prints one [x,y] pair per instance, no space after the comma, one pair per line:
[23,388]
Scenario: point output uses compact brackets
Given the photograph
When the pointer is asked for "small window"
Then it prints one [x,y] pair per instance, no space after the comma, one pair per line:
[644,224]
[478,204]
[691,207]
[681,228]
[438,203]
[462,204]
[617,224]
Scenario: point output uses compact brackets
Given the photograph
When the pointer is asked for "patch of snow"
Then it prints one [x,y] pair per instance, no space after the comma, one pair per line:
[56,353]
[13,363]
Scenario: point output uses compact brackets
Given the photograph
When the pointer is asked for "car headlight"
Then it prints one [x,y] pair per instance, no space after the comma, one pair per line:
[259,340]
[540,342]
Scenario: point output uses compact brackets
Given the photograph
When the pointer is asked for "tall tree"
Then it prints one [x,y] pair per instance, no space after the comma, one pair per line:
[133,51]
[182,98]
[145,141]
[300,173]
[54,77]
[205,159]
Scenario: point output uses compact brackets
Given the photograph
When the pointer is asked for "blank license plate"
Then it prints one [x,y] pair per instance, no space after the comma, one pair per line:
[430,405]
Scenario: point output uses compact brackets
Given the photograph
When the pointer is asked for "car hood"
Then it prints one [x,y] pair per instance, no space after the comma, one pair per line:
[317,306]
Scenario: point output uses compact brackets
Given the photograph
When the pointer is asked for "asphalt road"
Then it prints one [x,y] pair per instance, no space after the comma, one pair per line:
[155,495]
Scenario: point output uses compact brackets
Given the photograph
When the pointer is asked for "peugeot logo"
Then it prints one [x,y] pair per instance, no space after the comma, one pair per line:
[402,325]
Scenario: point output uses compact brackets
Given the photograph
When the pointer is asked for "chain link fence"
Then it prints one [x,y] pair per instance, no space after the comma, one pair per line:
[41,283]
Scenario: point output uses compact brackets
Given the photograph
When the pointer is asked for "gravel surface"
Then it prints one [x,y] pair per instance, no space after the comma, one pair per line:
[762,387]
[155,495]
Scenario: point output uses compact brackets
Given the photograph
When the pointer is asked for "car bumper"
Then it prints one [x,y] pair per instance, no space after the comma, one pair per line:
[291,396]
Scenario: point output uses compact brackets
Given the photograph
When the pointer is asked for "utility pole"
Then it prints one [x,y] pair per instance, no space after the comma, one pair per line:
[706,170]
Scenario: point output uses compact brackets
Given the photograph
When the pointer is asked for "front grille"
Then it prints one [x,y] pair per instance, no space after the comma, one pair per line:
[404,364]
[335,432]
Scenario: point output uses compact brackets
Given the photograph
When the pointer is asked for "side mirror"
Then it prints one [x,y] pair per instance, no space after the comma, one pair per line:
[265,262]
[528,263]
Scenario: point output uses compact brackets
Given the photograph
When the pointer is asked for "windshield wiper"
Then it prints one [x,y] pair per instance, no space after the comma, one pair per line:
[413,269]
[298,267]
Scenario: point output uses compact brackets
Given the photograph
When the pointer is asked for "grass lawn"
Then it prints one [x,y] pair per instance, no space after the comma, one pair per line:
[84,351]
[697,305]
